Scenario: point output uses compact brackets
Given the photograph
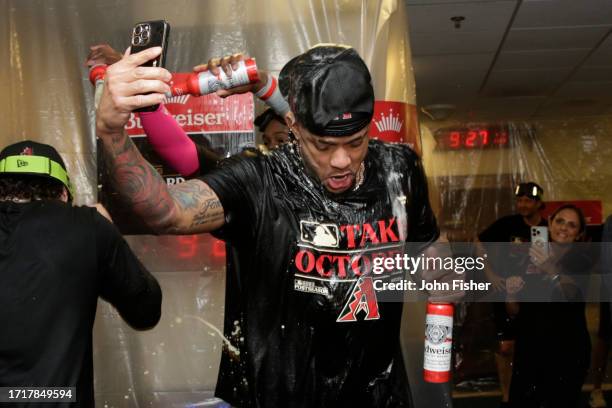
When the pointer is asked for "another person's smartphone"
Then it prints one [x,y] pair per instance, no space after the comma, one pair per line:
[539,236]
[151,34]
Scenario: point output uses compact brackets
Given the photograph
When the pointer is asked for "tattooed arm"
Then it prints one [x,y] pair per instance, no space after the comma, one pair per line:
[190,207]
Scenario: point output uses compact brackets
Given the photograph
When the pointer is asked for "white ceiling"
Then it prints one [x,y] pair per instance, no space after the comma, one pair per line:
[513,58]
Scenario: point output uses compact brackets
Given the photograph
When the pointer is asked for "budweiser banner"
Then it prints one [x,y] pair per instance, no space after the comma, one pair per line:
[224,126]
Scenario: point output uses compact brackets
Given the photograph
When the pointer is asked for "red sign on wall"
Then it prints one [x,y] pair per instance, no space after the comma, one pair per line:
[592,209]
[395,122]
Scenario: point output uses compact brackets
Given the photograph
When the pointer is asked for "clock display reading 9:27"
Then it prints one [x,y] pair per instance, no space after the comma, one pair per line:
[473,137]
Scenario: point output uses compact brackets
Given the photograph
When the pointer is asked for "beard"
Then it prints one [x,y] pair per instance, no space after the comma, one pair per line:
[309,169]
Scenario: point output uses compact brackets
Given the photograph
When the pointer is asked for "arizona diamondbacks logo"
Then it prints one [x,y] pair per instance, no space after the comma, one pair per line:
[362,299]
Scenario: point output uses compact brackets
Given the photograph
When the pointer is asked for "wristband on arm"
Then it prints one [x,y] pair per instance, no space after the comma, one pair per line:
[271,95]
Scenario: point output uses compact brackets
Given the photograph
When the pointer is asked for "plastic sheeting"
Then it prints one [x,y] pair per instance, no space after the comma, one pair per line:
[176,363]
[47,97]
[472,187]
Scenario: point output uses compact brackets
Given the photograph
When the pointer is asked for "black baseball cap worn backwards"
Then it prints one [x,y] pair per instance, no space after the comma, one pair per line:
[330,91]
[34,159]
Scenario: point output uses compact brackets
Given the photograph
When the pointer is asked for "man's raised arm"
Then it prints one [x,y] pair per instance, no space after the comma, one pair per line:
[189,207]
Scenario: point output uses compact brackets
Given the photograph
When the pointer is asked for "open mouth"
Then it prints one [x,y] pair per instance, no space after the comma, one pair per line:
[340,182]
[562,237]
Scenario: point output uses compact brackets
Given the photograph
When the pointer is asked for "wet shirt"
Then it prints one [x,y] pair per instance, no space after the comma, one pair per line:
[302,317]
[511,229]
[55,260]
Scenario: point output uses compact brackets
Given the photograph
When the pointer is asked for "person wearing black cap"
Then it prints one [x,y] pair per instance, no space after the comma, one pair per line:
[516,229]
[55,261]
[304,224]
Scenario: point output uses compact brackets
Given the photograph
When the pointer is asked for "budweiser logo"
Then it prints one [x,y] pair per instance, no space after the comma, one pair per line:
[179,99]
[436,333]
[390,123]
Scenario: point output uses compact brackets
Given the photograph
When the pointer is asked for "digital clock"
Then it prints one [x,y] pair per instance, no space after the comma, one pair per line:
[472,137]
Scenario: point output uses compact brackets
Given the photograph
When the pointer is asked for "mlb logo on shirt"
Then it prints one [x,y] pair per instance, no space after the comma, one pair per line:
[320,235]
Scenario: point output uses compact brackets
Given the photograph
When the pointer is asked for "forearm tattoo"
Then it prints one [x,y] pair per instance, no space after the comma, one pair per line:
[188,207]
[195,198]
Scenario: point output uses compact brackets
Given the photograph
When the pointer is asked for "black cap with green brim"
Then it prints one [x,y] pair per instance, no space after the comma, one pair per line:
[34,159]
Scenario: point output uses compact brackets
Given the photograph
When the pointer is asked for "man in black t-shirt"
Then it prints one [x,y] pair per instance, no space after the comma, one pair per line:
[55,261]
[303,226]
[515,229]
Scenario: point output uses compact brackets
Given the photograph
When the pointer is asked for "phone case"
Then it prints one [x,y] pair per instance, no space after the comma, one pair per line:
[151,34]
[540,235]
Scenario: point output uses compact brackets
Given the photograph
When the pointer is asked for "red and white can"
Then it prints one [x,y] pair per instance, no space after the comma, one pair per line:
[438,342]
[203,83]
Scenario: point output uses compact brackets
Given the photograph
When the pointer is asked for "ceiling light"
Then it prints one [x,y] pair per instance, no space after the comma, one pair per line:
[457,20]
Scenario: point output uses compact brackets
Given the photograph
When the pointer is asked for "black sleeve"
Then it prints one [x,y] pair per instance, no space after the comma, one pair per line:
[491,233]
[577,264]
[124,281]
[606,258]
[239,183]
[422,223]
[606,249]
[208,159]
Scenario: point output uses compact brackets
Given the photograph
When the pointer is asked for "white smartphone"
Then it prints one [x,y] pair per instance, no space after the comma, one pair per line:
[539,235]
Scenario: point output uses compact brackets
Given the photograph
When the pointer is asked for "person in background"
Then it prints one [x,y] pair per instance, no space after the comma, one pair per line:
[552,349]
[273,129]
[515,229]
[56,260]
[604,334]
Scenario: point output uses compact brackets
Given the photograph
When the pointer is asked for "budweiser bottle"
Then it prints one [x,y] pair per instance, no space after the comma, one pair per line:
[438,342]
[203,83]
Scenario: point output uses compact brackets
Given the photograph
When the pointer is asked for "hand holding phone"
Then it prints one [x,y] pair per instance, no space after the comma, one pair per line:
[150,34]
[126,91]
[539,238]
